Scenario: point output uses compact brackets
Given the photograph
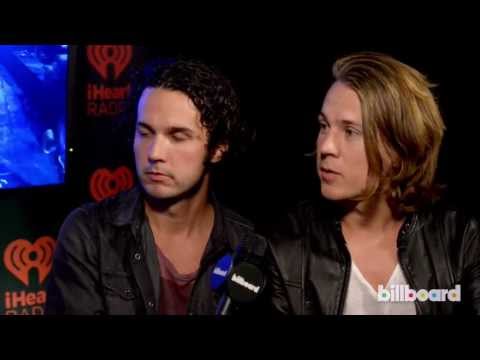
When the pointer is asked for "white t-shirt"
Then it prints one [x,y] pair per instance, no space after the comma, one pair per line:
[362,298]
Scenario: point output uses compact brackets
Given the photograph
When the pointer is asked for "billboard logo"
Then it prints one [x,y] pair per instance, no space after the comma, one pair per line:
[21,256]
[103,57]
[105,183]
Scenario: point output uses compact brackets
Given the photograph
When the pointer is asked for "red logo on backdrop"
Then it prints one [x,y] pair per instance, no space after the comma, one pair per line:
[105,183]
[109,61]
[117,56]
[21,256]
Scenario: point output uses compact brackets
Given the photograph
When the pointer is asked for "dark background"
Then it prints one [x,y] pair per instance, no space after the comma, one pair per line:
[281,85]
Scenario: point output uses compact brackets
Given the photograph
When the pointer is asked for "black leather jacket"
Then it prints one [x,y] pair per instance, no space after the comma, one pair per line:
[104,264]
[310,263]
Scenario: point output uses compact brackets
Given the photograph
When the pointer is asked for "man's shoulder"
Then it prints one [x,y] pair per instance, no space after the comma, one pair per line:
[120,208]
[449,218]
[233,218]
[81,214]
[244,230]
[112,210]
[298,218]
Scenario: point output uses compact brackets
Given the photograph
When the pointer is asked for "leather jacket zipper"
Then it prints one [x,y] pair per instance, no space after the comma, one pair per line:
[406,272]
[347,263]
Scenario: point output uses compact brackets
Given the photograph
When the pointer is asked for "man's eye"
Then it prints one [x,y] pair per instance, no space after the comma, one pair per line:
[322,126]
[180,137]
[351,131]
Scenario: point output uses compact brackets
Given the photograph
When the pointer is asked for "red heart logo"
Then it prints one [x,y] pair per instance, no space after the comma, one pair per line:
[104,183]
[19,261]
[100,56]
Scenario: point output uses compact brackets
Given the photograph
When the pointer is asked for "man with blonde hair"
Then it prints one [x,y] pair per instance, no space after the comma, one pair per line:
[378,242]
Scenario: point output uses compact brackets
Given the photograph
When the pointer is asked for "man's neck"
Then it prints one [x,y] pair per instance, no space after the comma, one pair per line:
[373,216]
[182,227]
[181,218]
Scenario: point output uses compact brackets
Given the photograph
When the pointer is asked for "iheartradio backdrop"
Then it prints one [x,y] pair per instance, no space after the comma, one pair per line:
[98,166]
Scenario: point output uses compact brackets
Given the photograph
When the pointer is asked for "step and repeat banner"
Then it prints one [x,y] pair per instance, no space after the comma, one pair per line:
[63,142]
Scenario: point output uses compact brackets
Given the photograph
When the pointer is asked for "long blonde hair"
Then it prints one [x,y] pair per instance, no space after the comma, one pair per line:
[401,117]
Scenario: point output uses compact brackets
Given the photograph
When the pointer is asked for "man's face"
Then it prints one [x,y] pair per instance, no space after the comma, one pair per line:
[170,143]
[341,156]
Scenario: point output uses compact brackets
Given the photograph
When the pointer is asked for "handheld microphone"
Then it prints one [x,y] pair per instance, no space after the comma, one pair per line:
[244,281]
[245,284]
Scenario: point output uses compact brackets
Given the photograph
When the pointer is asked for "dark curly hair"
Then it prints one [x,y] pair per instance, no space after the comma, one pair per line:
[212,94]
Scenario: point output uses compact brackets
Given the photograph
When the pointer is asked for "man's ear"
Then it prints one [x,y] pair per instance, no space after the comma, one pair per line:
[218,153]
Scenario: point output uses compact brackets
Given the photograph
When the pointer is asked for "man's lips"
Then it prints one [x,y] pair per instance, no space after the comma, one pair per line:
[328,171]
[157,175]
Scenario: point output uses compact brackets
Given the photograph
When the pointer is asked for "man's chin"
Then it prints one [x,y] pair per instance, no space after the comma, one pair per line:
[336,195]
[159,193]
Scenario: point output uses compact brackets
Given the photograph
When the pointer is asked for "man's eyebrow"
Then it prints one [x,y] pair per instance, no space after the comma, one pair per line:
[350,122]
[322,117]
[180,129]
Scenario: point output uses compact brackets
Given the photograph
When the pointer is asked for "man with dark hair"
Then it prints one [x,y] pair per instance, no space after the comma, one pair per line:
[152,250]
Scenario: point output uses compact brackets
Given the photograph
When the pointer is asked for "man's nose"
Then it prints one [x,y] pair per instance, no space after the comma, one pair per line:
[327,143]
[158,150]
